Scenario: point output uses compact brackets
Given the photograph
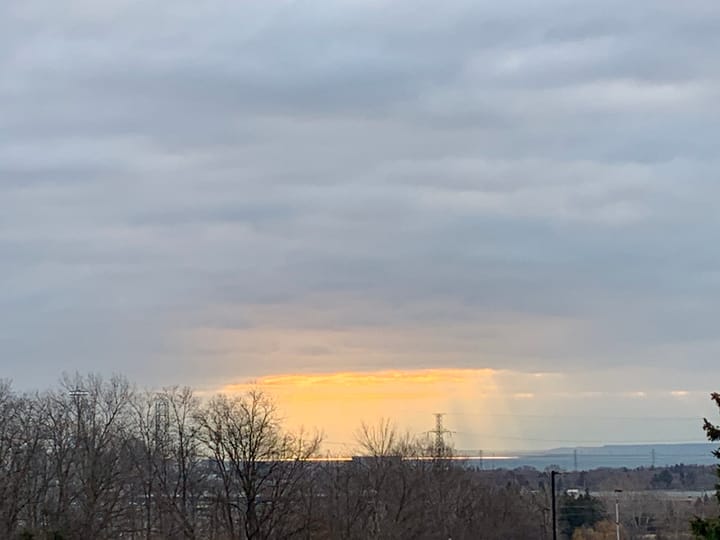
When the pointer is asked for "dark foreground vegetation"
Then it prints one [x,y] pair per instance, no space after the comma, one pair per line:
[97,459]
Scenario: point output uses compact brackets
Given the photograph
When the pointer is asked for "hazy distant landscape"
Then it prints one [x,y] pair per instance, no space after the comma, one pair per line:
[630,456]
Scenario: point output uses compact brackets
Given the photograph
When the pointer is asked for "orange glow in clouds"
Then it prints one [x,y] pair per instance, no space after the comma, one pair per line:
[337,403]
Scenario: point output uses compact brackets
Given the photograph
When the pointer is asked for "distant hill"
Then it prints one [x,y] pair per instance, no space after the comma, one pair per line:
[612,455]
[703,449]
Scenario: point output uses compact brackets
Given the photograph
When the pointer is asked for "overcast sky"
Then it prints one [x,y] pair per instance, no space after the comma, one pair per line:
[211,192]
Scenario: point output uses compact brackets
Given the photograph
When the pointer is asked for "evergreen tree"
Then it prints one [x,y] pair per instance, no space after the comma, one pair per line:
[580,511]
[709,529]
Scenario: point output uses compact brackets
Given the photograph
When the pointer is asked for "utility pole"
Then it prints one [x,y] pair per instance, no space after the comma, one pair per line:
[652,458]
[162,420]
[575,459]
[78,394]
[553,474]
[617,513]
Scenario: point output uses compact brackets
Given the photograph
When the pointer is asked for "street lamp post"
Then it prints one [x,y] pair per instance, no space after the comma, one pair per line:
[553,474]
[617,512]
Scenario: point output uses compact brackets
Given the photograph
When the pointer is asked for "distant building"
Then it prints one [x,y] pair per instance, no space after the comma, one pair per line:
[573,492]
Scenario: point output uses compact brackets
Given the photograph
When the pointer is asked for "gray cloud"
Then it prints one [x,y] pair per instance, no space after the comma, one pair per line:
[404,167]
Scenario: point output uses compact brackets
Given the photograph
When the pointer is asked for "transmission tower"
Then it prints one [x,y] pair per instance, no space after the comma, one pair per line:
[440,449]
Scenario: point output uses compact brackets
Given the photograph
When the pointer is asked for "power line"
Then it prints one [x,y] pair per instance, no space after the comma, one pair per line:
[578,416]
[578,441]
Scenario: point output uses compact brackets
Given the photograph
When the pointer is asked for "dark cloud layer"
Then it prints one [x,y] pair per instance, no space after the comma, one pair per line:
[531,182]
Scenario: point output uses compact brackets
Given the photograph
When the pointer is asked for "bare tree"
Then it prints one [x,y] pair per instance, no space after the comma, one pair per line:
[61,444]
[383,493]
[89,452]
[182,474]
[378,440]
[260,466]
[20,454]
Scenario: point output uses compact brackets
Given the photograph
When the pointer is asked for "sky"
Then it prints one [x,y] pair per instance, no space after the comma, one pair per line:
[503,211]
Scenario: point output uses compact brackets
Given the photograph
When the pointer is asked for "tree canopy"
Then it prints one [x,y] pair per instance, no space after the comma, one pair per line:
[709,528]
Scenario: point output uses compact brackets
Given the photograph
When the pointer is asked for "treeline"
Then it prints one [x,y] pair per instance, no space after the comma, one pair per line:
[586,499]
[679,477]
[98,459]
